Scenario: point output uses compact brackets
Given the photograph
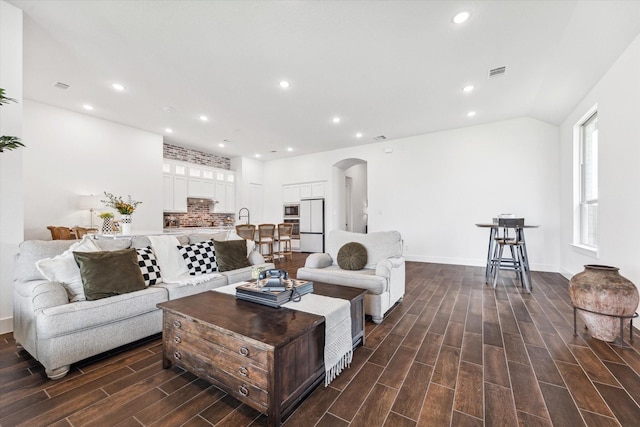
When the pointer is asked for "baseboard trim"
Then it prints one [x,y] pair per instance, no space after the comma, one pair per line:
[6,325]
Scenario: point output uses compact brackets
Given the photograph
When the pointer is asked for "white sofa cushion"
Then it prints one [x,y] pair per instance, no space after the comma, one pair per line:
[380,245]
[70,318]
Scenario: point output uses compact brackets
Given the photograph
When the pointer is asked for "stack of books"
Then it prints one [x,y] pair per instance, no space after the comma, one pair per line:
[261,292]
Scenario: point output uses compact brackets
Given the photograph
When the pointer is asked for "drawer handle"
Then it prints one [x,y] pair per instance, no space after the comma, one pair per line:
[243,371]
[177,355]
[177,340]
[177,323]
[244,351]
[243,390]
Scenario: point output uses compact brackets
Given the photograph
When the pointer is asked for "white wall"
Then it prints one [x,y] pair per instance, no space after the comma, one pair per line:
[11,191]
[433,188]
[358,175]
[617,95]
[72,154]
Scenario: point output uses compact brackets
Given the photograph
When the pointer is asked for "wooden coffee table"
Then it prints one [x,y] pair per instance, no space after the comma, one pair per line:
[269,358]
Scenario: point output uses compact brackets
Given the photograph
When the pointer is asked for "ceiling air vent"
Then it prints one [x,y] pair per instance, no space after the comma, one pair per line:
[61,85]
[379,138]
[497,72]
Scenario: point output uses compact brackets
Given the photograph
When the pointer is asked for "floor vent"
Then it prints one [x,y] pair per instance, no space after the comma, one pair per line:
[497,72]
[380,138]
[61,85]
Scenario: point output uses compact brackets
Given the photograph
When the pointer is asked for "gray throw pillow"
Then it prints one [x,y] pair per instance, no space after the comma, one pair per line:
[231,254]
[105,274]
[352,256]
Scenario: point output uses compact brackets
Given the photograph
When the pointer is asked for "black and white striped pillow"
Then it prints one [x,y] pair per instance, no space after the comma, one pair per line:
[200,257]
[149,266]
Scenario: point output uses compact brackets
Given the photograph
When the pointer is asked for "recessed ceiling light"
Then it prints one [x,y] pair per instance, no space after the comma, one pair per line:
[285,84]
[471,113]
[168,130]
[358,135]
[204,118]
[257,155]
[88,107]
[118,87]
[336,120]
[461,17]
[221,145]
[290,149]
[468,88]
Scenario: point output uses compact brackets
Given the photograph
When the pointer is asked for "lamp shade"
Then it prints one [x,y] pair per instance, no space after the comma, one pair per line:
[89,202]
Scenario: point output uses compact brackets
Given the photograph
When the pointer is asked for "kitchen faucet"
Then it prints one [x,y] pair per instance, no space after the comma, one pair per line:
[240,216]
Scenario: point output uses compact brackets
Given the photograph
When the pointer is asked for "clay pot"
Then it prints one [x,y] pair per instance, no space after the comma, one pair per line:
[602,289]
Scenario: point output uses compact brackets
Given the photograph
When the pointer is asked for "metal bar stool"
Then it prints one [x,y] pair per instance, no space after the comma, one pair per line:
[518,261]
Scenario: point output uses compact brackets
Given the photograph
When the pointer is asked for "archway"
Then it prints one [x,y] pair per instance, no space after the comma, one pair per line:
[350,195]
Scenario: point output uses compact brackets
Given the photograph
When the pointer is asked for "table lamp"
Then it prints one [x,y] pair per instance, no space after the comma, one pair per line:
[89,203]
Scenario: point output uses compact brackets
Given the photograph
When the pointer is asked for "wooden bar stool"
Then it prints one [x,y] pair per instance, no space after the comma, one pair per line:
[266,234]
[246,231]
[60,233]
[284,240]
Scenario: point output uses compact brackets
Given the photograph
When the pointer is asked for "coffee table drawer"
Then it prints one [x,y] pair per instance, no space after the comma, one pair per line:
[205,367]
[180,342]
[242,347]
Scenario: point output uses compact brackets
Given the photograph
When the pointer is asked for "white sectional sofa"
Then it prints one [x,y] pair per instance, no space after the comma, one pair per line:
[58,332]
[383,276]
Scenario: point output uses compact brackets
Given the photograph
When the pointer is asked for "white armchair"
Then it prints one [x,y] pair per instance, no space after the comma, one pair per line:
[383,276]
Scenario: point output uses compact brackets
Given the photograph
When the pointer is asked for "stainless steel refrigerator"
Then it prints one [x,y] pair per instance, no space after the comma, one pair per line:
[312,225]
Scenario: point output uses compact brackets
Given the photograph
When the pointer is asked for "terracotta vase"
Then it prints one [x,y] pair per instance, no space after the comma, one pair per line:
[601,288]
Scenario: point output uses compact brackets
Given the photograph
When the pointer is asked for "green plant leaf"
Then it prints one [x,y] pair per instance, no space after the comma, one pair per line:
[9,143]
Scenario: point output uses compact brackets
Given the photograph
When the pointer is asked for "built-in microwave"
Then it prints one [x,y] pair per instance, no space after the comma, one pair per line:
[292,211]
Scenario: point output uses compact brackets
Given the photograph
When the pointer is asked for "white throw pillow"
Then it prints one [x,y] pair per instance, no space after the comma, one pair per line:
[63,268]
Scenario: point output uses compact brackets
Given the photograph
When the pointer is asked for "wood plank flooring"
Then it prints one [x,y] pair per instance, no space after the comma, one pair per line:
[453,353]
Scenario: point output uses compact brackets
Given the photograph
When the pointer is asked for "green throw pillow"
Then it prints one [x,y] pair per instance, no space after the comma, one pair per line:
[105,274]
[352,256]
[231,254]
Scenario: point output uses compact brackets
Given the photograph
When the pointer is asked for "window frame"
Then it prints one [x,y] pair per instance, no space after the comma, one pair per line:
[581,202]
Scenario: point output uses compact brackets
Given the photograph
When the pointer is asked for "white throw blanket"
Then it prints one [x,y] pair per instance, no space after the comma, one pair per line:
[338,350]
[172,266]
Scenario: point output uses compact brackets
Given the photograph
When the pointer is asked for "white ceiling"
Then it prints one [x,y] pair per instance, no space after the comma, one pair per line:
[393,68]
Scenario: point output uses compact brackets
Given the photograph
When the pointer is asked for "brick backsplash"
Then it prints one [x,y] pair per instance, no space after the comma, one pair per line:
[197,215]
[175,152]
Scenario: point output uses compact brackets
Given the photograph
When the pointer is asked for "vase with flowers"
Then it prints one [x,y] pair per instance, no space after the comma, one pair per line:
[107,222]
[124,207]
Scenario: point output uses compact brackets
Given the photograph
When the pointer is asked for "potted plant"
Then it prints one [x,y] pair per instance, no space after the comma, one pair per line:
[8,142]
[125,208]
[107,222]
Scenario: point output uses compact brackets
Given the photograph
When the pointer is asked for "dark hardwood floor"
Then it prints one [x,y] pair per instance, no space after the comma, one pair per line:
[454,352]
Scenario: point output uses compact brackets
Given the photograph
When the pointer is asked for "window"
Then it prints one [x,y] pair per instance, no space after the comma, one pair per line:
[587,215]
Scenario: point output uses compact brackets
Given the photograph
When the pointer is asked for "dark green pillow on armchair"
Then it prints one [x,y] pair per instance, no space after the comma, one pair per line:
[352,256]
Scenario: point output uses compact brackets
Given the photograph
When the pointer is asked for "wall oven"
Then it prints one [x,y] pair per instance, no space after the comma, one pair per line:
[292,211]
[295,233]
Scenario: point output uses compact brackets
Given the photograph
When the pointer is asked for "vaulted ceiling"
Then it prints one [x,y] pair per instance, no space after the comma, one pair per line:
[391,68]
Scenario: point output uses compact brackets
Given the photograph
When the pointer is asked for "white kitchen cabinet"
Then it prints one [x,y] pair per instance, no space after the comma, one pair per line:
[305,191]
[312,190]
[225,192]
[175,193]
[201,182]
[317,190]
